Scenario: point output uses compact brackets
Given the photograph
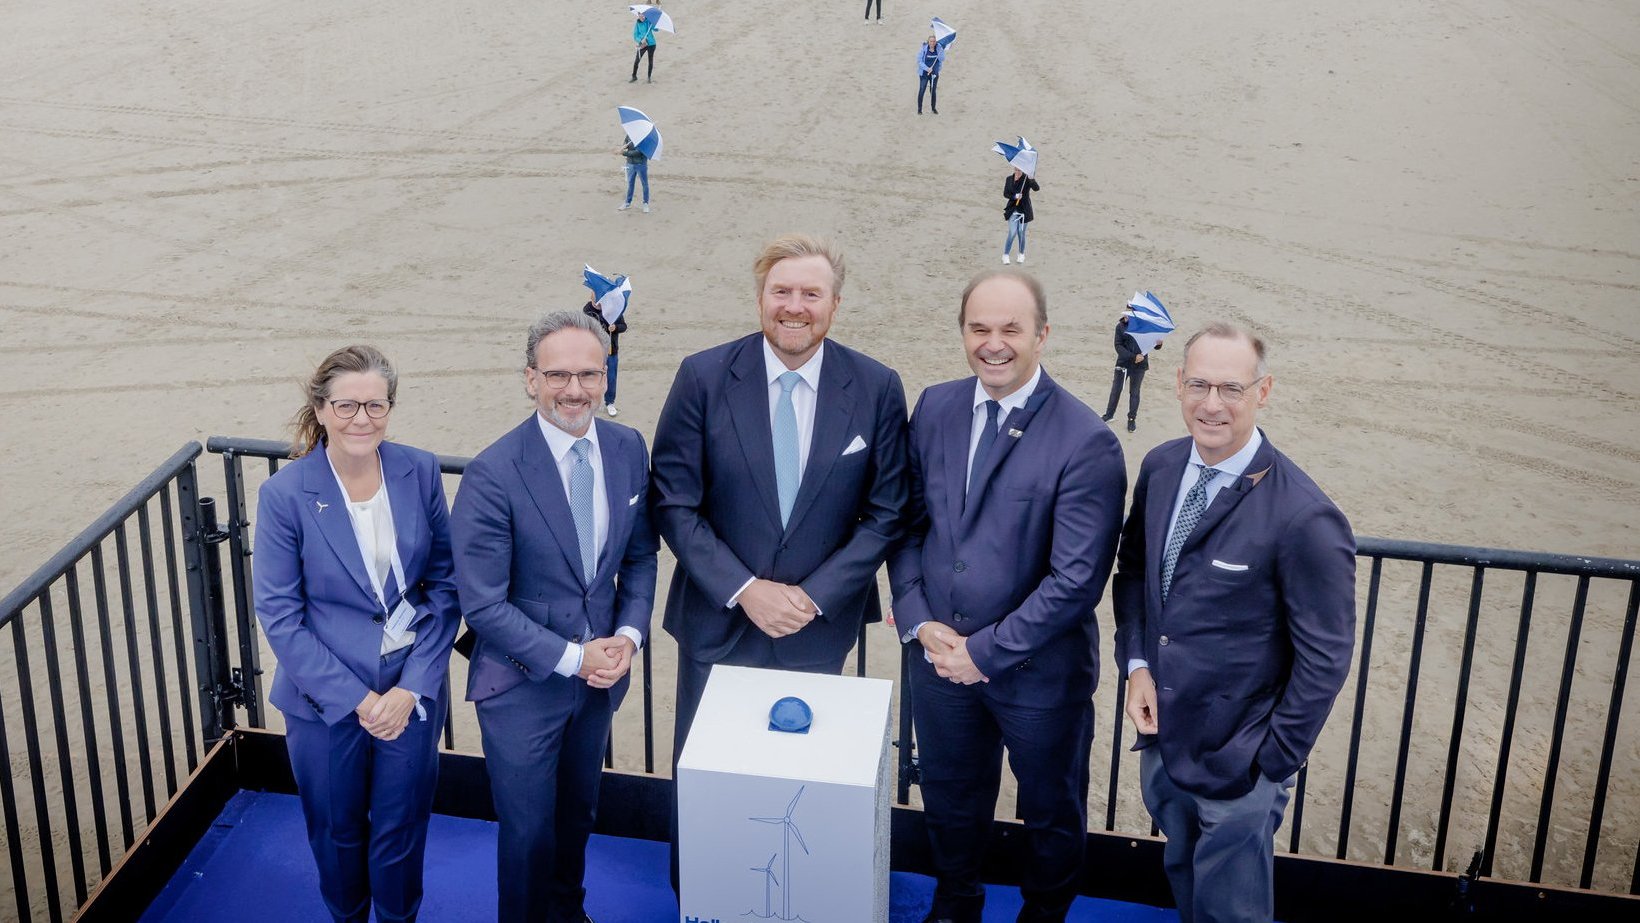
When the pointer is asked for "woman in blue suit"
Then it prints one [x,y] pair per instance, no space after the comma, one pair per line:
[355,594]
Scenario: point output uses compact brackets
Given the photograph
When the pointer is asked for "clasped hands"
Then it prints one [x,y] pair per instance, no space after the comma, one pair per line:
[385,715]
[605,660]
[948,651]
[777,609]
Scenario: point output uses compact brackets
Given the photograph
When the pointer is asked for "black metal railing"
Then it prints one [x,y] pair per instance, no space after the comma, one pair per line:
[1451,733]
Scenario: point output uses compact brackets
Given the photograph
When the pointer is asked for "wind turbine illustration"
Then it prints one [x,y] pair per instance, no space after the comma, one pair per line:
[768,882]
[788,830]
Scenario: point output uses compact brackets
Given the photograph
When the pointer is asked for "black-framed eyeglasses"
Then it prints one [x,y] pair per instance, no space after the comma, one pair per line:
[347,410]
[557,379]
[1230,392]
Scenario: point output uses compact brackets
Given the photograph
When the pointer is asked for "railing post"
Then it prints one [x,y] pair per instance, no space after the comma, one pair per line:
[910,772]
[250,657]
[200,535]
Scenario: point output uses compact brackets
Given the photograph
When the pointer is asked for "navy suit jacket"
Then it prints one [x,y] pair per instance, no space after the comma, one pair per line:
[314,596]
[1247,659]
[1019,562]
[518,558]
[717,506]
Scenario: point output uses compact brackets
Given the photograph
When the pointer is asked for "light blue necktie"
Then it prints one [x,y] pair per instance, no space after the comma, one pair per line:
[785,445]
[1195,504]
[580,506]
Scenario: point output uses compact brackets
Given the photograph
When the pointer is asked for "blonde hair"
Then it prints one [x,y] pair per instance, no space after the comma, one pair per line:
[793,246]
[310,434]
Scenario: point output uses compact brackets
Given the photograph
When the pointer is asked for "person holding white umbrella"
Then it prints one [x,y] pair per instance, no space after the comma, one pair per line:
[1017,189]
[643,144]
[650,18]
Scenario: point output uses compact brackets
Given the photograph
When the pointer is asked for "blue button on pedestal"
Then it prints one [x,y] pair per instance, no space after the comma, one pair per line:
[791,715]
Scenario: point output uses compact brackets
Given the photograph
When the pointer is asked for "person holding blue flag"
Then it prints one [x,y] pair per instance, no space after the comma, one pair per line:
[611,362]
[1130,366]
[1017,189]
[643,35]
[930,60]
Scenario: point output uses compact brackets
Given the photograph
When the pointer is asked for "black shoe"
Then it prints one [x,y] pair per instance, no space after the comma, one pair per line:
[1106,416]
[634,79]
[936,111]
[1132,426]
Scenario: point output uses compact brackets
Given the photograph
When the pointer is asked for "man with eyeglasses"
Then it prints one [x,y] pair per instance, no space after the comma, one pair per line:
[780,474]
[555,566]
[1235,621]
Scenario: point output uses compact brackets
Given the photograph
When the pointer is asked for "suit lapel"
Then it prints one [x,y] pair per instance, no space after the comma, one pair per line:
[833,412]
[539,473]
[1162,493]
[1229,496]
[328,509]
[1016,422]
[748,396]
[957,430]
[409,521]
[619,486]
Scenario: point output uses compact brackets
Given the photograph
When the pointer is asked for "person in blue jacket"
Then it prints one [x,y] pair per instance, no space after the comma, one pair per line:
[355,592]
[643,35]
[930,60]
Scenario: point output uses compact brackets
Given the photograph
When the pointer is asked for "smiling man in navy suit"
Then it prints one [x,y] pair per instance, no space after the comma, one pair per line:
[1235,620]
[1016,505]
[555,567]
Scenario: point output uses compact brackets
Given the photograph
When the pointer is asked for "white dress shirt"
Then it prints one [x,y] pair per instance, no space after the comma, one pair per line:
[562,446]
[1228,470]
[805,396]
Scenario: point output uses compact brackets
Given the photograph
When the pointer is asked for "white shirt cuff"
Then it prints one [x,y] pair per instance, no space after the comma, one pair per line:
[1137,663]
[570,663]
[627,631]
[735,599]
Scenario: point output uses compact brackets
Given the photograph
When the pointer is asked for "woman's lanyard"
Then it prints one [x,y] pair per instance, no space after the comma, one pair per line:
[394,607]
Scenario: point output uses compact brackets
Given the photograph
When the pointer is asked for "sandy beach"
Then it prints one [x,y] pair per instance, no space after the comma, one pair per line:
[1430,211]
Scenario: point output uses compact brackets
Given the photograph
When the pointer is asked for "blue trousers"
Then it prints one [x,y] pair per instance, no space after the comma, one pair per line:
[366,803]
[544,748]
[1220,852]
[1016,231]
[931,84]
[637,171]
[961,733]
[612,364]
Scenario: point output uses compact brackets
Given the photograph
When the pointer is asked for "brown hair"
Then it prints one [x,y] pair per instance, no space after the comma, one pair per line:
[1226,331]
[1028,280]
[791,246]
[358,358]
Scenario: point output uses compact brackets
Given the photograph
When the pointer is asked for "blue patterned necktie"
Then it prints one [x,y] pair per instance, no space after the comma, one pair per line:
[580,506]
[987,436]
[785,446]
[1195,504]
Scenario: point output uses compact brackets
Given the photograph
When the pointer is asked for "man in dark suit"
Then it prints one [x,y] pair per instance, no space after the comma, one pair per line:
[1016,505]
[1235,619]
[779,476]
[555,566]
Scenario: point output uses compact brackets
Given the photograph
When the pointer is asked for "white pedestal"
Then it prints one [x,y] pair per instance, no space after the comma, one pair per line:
[779,826]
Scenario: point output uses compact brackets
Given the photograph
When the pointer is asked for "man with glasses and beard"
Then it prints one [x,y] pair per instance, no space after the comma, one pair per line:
[1235,621]
[555,567]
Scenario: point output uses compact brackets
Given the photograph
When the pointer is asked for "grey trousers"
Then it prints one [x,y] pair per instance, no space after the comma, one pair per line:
[1220,853]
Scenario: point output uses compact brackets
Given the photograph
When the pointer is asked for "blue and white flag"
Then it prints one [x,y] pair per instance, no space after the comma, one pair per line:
[943,34]
[1148,320]
[655,16]
[640,131]
[1021,156]
[611,295]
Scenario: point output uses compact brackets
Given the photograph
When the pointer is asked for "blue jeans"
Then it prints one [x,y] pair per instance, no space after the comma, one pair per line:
[611,364]
[1016,231]
[637,171]
[931,84]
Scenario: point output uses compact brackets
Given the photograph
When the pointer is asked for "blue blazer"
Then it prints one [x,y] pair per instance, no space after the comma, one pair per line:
[717,506]
[1254,653]
[1017,564]
[314,597]
[518,559]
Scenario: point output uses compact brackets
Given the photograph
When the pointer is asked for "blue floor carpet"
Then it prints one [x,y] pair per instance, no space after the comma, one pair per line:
[254,867]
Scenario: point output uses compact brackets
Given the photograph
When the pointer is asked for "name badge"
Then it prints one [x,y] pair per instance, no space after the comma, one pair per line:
[400,620]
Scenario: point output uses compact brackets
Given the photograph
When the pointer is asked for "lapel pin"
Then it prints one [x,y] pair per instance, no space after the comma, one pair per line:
[321,505]
[1015,433]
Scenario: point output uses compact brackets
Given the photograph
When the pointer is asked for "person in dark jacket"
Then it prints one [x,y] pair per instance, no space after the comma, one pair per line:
[1017,190]
[637,170]
[611,363]
[1130,365]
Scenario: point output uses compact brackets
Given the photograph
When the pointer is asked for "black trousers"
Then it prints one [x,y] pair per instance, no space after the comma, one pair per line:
[1135,377]
[931,83]
[879,9]
[642,50]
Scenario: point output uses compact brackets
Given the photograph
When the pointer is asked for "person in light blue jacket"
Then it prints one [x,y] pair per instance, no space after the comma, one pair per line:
[643,35]
[930,60]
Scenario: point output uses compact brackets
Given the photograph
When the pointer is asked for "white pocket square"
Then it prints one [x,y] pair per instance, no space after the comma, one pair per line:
[634,500]
[858,445]
[1223,565]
